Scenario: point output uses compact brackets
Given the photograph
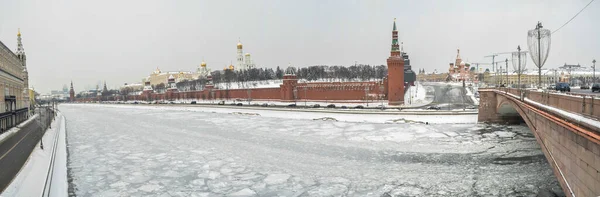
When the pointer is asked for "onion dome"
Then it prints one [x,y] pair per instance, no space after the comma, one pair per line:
[231,67]
[239,45]
[203,64]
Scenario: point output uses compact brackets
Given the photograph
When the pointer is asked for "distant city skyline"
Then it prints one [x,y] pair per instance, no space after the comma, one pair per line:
[122,42]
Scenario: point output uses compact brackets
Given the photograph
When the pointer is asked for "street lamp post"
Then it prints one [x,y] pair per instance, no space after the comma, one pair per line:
[305,96]
[381,93]
[506,61]
[519,73]
[367,95]
[538,40]
[249,96]
[295,94]
[594,71]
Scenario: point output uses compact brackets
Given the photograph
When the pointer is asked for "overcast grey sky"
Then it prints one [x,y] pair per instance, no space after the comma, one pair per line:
[123,41]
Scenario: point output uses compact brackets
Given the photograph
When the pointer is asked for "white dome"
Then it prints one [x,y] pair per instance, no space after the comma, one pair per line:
[462,63]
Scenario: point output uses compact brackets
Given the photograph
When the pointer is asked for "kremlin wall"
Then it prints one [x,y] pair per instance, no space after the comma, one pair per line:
[391,88]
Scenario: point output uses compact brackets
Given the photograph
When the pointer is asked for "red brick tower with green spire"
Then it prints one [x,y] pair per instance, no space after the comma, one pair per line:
[395,72]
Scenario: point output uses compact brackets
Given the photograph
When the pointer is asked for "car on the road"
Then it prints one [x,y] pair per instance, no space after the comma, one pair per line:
[221,103]
[135,102]
[239,104]
[292,105]
[596,87]
[359,107]
[193,102]
[584,87]
[344,107]
[563,87]
[552,87]
[264,105]
[316,106]
[331,106]
[433,107]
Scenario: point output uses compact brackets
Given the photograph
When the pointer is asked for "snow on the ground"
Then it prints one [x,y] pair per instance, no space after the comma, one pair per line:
[250,84]
[31,180]
[577,117]
[431,118]
[16,129]
[574,116]
[150,151]
[472,96]
[416,96]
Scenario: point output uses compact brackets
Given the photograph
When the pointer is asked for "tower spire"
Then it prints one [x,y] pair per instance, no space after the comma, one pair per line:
[395,47]
[20,50]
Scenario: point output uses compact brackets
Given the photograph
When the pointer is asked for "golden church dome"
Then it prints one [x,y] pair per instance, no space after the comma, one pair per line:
[231,67]
[19,32]
[203,64]
[239,45]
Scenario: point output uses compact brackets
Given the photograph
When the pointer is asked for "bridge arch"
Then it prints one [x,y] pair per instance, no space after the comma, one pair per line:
[510,112]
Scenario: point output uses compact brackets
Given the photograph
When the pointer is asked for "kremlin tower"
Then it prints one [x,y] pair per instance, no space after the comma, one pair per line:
[72,93]
[395,72]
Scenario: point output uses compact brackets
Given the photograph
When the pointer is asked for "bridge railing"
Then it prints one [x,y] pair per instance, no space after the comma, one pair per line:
[587,105]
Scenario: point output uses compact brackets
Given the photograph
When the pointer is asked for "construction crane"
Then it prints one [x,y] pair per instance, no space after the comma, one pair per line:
[493,56]
[493,64]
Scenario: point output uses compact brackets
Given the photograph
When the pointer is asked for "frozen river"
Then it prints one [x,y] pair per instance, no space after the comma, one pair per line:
[189,151]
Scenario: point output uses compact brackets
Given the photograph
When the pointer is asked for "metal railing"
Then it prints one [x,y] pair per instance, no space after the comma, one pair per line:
[11,119]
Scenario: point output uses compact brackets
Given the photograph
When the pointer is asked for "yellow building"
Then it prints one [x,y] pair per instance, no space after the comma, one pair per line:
[432,77]
[158,77]
[13,78]
[512,79]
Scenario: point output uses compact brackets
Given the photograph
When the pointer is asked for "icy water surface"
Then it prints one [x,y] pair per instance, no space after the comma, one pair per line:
[116,151]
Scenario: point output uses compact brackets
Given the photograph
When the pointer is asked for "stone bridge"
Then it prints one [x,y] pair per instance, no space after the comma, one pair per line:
[565,126]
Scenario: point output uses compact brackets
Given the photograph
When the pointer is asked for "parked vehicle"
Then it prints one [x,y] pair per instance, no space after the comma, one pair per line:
[265,105]
[135,102]
[239,104]
[359,107]
[596,87]
[316,106]
[433,108]
[331,106]
[344,107]
[552,87]
[221,103]
[292,105]
[584,87]
[563,87]
[193,102]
